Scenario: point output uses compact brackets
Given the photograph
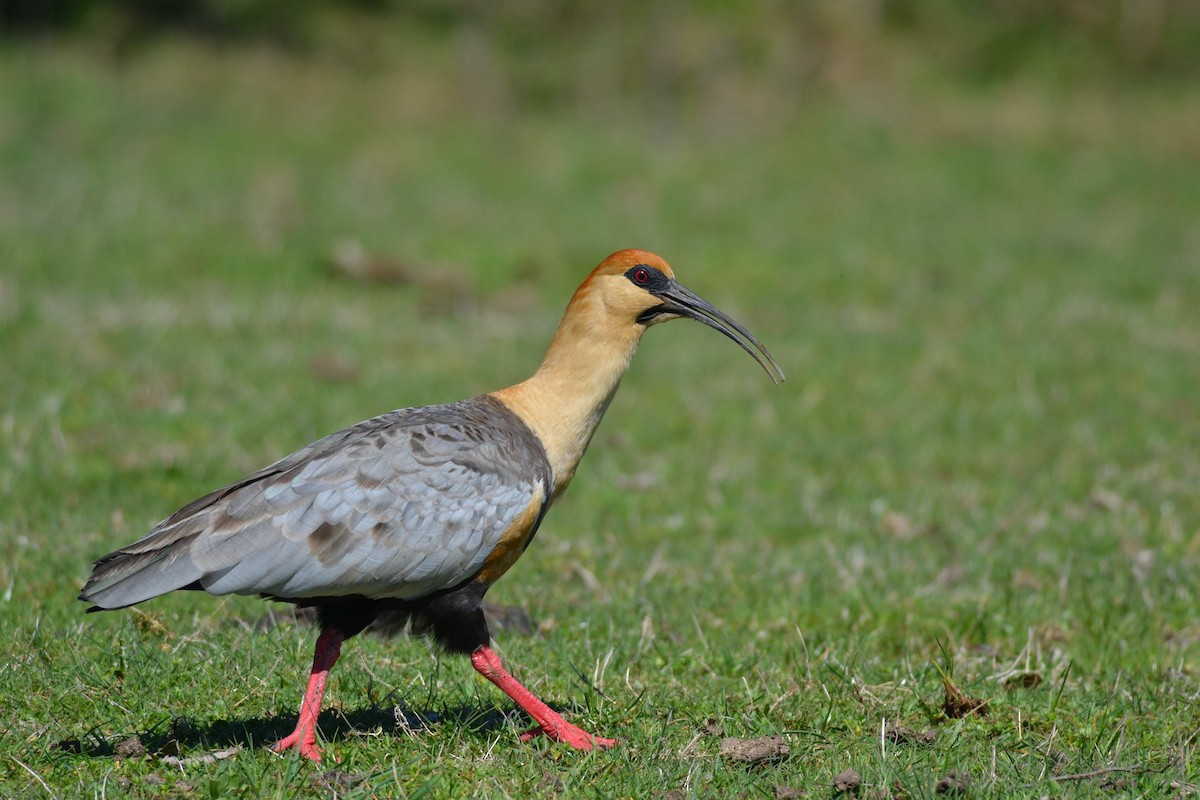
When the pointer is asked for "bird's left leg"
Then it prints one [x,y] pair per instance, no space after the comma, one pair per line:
[550,722]
[304,738]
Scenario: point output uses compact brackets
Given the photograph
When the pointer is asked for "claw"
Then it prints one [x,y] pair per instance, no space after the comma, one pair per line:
[296,740]
[571,735]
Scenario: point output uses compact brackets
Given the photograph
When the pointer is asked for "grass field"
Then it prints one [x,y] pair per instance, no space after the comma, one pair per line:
[984,466]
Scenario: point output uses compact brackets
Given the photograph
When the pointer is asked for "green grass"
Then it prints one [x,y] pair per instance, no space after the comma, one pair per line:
[985,461]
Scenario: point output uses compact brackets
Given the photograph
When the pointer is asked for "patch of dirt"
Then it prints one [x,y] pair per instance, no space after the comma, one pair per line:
[847,782]
[444,289]
[903,735]
[131,748]
[954,782]
[880,794]
[1023,680]
[151,623]
[762,750]
[711,727]
[958,705]
[1106,499]
[550,784]
[332,367]
[509,618]
[789,793]
[337,780]
[902,526]
[350,259]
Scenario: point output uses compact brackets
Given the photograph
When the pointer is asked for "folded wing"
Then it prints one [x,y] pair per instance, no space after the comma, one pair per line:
[399,506]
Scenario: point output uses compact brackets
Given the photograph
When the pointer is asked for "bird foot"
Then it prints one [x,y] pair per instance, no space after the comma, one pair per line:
[306,746]
[569,734]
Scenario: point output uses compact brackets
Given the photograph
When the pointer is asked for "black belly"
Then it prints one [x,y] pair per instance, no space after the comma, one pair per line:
[452,617]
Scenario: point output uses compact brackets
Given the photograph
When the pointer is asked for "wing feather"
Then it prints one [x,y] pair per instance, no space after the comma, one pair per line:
[398,506]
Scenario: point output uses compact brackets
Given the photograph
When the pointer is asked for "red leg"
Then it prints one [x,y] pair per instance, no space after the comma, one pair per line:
[304,738]
[550,722]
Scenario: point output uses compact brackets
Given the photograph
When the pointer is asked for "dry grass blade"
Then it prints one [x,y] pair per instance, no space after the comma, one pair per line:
[207,758]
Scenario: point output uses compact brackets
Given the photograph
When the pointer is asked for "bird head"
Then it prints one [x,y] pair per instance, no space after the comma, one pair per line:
[640,287]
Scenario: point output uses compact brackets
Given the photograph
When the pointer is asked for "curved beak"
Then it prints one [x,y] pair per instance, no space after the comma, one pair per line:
[680,301]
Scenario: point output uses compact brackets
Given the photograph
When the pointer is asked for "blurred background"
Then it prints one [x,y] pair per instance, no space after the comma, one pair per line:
[894,192]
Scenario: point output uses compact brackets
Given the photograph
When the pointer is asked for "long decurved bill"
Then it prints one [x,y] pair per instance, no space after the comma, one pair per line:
[678,299]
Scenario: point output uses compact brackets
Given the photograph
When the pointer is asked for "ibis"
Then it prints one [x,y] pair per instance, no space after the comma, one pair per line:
[410,517]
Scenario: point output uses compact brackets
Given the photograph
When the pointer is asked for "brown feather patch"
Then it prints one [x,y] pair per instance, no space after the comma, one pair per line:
[328,543]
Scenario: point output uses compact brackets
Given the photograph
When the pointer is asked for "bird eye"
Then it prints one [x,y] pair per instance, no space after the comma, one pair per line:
[640,275]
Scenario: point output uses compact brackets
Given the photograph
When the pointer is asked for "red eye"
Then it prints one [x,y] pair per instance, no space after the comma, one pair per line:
[641,275]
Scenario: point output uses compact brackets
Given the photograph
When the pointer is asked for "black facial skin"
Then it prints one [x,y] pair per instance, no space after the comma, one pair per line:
[648,278]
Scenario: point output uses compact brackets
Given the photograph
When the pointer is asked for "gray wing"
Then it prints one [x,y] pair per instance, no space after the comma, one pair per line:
[401,505]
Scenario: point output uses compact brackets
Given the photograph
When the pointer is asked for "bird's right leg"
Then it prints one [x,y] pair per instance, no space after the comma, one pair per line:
[304,738]
[549,722]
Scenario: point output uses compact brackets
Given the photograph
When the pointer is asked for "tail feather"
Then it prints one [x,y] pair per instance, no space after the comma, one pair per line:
[127,577]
